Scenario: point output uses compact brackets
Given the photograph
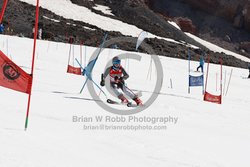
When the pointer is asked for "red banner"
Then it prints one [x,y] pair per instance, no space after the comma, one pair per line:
[3,10]
[212,98]
[74,70]
[12,76]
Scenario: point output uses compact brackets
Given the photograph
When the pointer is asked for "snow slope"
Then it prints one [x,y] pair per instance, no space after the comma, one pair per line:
[217,48]
[104,9]
[205,135]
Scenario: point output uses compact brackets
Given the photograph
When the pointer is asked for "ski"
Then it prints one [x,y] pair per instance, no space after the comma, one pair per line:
[132,105]
[129,104]
[118,103]
[115,102]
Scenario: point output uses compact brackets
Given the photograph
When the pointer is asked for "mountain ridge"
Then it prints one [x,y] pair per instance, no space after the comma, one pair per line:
[60,31]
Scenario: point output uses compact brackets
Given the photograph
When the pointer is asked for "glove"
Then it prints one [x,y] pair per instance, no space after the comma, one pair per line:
[119,80]
[83,72]
[102,81]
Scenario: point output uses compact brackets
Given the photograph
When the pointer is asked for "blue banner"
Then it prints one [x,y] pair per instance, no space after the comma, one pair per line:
[196,80]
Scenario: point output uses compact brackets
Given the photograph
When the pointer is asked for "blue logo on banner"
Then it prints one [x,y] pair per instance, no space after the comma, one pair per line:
[195,80]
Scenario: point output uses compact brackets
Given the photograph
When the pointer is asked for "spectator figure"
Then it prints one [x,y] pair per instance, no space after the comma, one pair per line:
[33,32]
[1,28]
[40,33]
[201,64]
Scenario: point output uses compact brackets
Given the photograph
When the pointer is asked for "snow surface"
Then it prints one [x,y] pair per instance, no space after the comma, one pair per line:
[217,48]
[71,24]
[103,9]
[92,29]
[174,24]
[205,135]
[57,21]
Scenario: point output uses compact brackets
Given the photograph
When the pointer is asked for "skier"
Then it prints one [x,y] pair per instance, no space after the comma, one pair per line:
[201,64]
[1,28]
[117,76]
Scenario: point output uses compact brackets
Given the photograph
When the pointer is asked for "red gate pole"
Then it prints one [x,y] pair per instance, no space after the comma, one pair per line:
[221,81]
[207,73]
[3,10]
[33,62]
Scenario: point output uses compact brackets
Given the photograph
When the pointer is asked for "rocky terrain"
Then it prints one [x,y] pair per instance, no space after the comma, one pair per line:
[225,23]
[149,15]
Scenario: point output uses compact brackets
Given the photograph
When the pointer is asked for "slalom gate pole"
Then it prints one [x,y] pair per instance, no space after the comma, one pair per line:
[33,62]
[99,52]
[85,56]
[73,51]
[207,73]
[84,85]
[225,81]
[189,57]
[216,88]
[203,91]
[3,10]
[69,52]
[229,80]
[221,80]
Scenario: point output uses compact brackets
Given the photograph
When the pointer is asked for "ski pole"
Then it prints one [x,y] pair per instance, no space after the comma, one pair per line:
[229,81]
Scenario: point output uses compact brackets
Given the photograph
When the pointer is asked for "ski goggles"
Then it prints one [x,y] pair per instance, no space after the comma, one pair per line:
[117,62]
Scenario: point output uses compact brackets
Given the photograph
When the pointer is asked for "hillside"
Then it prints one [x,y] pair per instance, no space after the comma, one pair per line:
[224,23]
[58,28]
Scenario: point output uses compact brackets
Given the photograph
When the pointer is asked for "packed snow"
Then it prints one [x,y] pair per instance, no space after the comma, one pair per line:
[92,29]
[54,20]
[174,24]
[217,48]
[203,134]
[104,9]
[71,24]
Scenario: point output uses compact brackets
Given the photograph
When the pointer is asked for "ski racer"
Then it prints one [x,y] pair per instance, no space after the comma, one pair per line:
[117,81]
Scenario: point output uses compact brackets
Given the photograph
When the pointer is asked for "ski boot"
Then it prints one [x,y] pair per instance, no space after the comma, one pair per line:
[123,99]
[138,101]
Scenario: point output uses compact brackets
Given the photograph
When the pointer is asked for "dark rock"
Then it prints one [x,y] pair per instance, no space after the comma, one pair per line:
[186,25]
[245,46]
[238,21]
